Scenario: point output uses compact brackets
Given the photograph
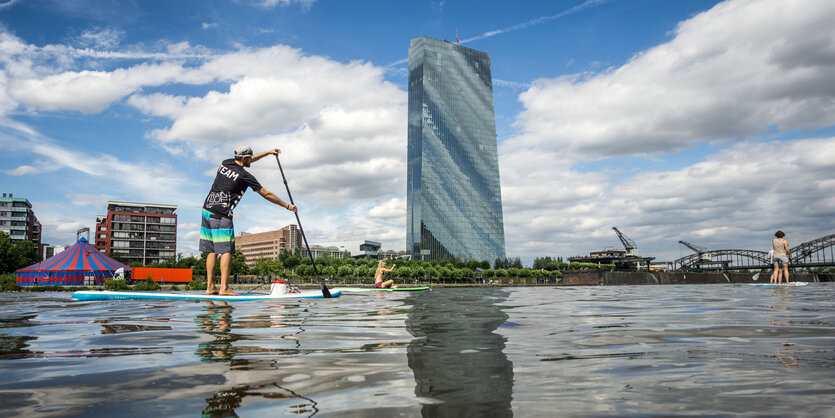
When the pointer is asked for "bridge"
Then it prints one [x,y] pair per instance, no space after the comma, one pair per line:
[812,254]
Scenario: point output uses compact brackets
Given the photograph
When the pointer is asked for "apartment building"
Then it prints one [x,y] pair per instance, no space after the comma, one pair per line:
[143,233]
[268,244]
[18,220]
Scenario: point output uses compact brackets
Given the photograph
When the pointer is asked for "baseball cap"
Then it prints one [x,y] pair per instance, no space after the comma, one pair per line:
[243,151]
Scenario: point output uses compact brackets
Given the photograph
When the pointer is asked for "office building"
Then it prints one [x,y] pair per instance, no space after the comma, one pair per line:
[454,202]
[18,220]
[359,249]
[318,250]
[268,244]
[143,233]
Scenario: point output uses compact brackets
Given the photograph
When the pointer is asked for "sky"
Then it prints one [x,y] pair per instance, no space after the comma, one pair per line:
[707,121]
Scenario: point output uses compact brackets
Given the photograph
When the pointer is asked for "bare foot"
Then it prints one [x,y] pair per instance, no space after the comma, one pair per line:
[227,292]
[211,291]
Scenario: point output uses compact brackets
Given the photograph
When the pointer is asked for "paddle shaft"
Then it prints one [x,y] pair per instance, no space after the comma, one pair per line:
[325,292]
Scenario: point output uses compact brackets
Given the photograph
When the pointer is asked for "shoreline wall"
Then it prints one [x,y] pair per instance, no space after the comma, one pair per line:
[614,278]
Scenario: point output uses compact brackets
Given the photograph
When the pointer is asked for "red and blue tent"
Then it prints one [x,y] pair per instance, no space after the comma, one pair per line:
[70,267]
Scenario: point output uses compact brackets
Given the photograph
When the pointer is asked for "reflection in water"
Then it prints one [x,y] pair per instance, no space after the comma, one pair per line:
[224,402]
[216,319]
[456,357]
[786,353]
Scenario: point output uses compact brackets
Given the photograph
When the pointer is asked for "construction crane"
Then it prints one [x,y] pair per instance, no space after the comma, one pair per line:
[702,251]
[628,244]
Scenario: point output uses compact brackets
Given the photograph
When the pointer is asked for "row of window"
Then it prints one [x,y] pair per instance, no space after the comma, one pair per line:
[133,209]
[144,219]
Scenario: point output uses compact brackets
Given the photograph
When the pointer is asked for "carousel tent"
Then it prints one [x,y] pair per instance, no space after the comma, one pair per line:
[71,267]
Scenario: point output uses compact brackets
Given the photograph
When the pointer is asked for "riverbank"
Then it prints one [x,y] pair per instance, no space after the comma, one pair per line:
[583,278]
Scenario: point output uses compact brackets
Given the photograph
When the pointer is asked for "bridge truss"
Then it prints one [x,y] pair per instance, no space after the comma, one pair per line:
[816,253]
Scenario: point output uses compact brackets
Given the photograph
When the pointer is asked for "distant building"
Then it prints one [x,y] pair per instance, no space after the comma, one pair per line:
[391,254]
[268,244]
[318,250]
[359,249]
[143,233]
[453,196]
[50,250]
[353,249]
[18,220]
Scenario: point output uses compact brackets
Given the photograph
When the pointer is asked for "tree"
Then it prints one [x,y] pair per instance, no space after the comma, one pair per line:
[16,255]
[345,270]
[516,262]
[238,263]
[267,267]
[539,263]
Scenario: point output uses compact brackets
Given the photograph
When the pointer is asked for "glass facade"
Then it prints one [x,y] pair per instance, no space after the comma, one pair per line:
[454,201]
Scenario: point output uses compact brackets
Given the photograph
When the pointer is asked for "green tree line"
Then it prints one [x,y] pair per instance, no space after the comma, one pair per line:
[293,265]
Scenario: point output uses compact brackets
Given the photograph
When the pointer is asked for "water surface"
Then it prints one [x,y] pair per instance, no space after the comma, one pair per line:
[593,351]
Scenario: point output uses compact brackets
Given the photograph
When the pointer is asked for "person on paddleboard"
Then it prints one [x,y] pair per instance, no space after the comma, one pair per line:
[378,276]
[782,256]
[217,234]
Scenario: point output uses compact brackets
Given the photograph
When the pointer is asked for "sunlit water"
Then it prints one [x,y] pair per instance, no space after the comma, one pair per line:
[594,351]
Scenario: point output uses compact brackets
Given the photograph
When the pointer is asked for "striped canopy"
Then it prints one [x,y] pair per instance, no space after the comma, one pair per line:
[70,267]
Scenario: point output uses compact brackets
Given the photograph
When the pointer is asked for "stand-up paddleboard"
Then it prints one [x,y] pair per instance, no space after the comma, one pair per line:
[378,289]
[779,285]
[113,295]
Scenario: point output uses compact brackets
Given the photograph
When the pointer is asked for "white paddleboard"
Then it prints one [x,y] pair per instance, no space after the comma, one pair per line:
[779,285]
[114,295]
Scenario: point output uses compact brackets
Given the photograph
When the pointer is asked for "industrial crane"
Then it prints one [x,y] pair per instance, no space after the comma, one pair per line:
[702,251]
[628,244]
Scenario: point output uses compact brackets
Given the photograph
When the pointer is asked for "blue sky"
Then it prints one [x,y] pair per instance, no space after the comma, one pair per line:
[704,121]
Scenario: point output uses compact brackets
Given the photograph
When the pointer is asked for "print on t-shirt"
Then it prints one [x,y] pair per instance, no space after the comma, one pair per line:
[229,186]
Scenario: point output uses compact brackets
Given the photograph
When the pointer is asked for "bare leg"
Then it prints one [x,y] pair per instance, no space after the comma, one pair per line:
[225,269]
[786,272]
[210,274]
[387,284]
[775,273]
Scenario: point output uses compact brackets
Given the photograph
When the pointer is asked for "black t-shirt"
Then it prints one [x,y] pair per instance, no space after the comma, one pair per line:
[229,187]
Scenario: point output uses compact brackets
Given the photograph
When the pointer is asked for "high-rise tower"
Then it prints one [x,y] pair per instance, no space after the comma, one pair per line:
[454,201]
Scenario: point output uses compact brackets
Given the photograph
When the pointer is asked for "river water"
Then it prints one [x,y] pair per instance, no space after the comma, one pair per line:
[565,351]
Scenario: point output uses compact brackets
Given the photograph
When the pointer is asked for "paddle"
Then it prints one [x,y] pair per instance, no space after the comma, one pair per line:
[325,292]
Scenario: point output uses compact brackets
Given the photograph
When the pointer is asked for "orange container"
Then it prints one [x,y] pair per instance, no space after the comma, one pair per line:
[162,275]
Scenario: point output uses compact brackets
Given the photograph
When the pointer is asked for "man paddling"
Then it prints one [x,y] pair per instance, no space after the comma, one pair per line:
[217,234]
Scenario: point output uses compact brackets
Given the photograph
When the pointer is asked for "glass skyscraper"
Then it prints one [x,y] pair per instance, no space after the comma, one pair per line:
[454,201]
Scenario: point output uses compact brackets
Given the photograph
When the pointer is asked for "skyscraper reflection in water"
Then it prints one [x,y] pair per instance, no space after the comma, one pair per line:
[457,357]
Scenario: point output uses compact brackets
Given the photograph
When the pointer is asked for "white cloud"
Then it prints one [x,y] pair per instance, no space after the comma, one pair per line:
[728,73]
[70,226]
[209,25]
[305,4]
[735,198]
[7,4]
[23,170]
[101,38]
[99,202]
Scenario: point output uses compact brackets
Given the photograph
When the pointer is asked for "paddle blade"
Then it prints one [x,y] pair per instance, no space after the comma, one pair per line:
[325,292]
[756,277]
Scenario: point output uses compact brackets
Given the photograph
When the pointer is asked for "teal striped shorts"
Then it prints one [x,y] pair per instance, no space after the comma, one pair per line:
[217,234]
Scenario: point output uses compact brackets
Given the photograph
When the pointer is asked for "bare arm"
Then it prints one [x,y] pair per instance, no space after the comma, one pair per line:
[261,155]
[266,194]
